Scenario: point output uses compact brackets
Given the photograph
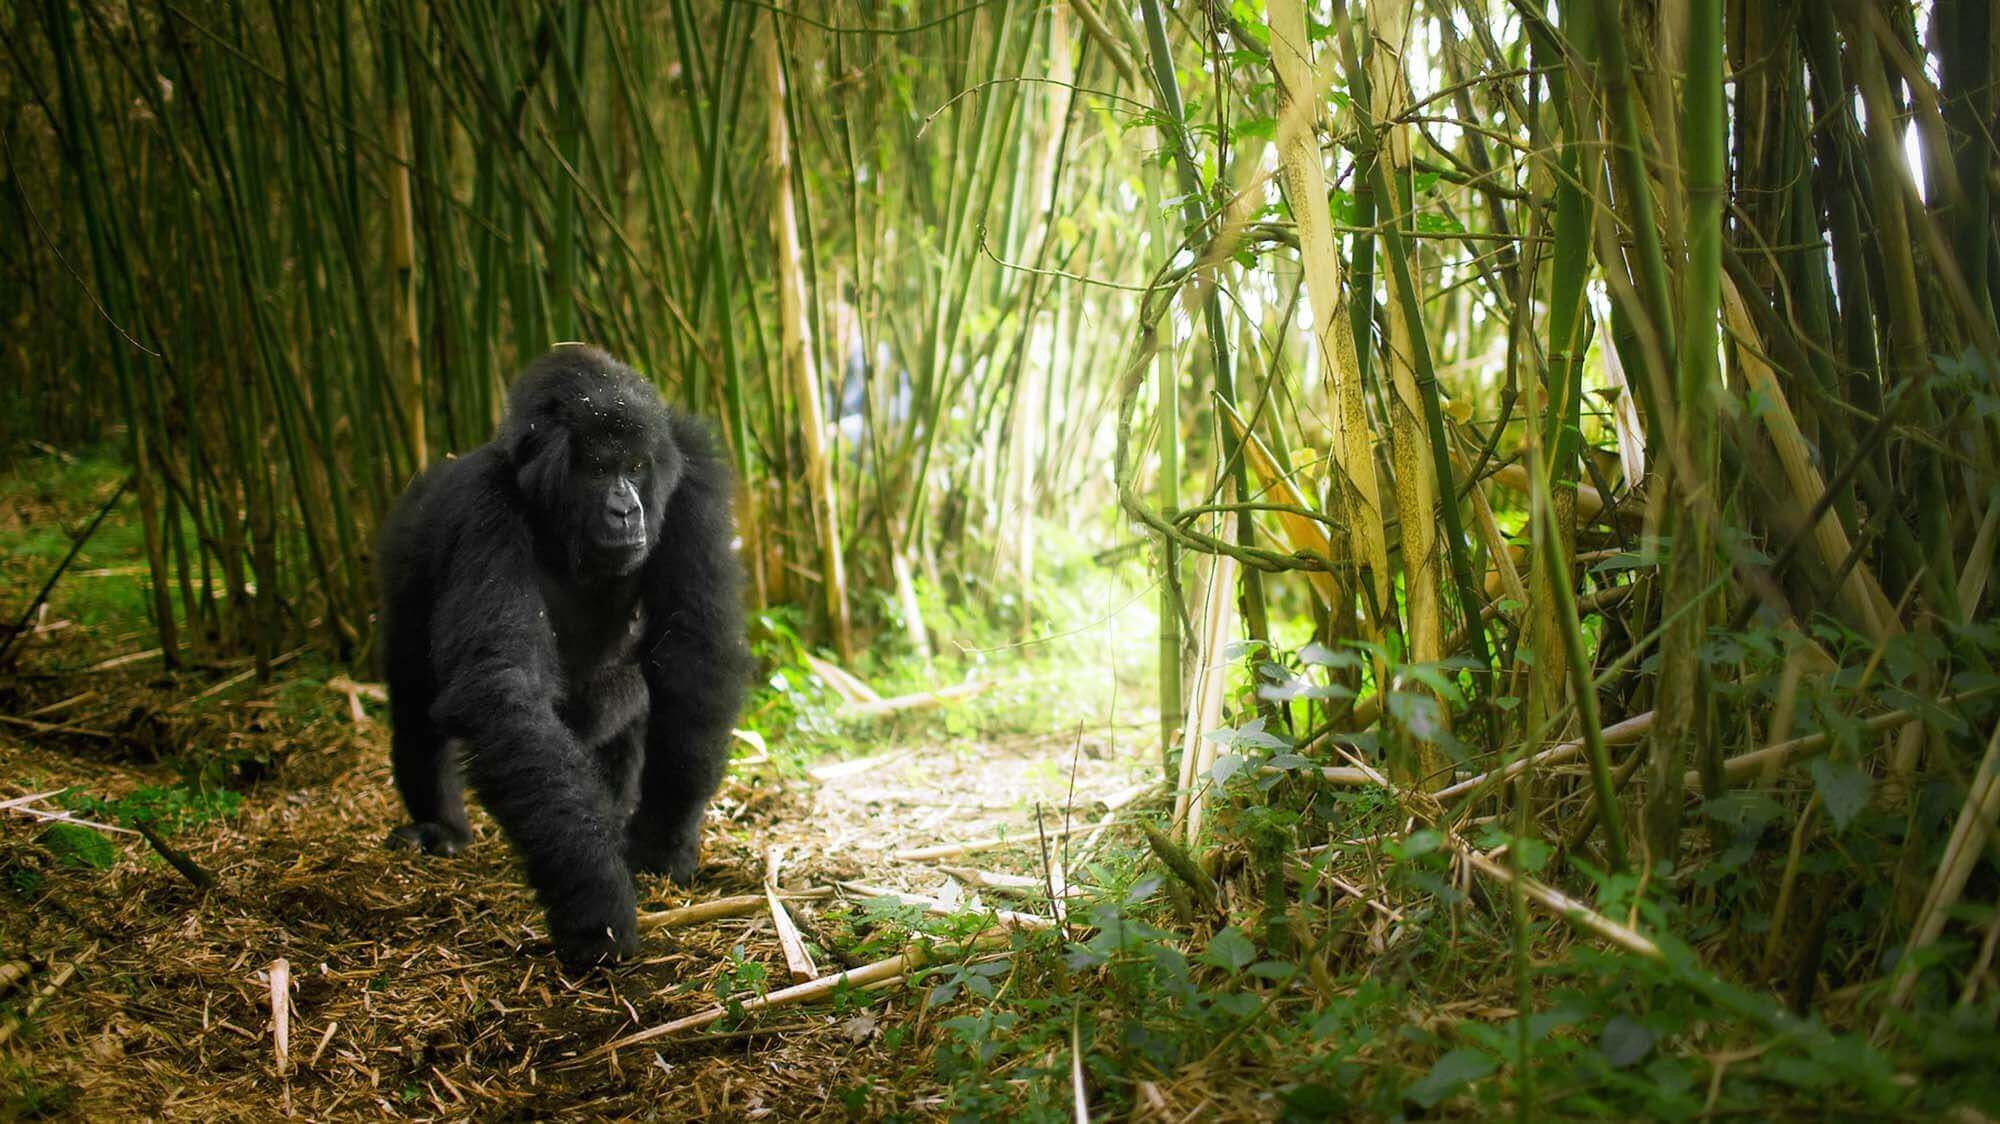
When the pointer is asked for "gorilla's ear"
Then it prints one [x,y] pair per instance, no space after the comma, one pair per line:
[540,455]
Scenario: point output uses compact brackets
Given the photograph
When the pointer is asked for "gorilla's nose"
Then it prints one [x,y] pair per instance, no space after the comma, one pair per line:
[622,507]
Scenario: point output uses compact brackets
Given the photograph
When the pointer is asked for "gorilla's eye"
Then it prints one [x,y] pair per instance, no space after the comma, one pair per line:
[638,468]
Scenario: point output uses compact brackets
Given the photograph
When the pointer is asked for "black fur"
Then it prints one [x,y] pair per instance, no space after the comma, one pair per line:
[591,672]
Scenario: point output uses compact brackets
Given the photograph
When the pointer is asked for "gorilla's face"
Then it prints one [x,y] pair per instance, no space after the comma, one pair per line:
[594,456]
[619,506]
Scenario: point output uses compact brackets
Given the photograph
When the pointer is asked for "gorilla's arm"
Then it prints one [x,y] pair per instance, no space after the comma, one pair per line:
[500,679]
[694,659]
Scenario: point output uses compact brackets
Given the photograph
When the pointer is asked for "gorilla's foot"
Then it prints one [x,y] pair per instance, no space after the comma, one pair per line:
[677,861]
[430,838]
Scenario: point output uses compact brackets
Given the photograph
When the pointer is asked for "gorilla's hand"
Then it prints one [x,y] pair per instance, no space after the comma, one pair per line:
[595,935]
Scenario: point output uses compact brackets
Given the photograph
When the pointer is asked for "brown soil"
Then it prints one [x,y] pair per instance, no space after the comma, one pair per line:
[424,987]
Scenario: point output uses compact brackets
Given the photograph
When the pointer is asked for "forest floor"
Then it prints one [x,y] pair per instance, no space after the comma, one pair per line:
[425,987]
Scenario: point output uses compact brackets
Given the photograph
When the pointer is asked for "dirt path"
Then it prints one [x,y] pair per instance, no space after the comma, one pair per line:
[424,987]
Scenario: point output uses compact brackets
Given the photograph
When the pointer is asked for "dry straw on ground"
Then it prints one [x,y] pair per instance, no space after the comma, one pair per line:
[425,987]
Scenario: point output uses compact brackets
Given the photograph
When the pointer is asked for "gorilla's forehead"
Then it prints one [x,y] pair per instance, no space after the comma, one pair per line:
[606,410]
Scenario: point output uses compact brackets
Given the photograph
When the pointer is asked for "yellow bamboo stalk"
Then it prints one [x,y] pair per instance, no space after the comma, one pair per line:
[1301,533]
[795,346]
[1409,443]
[407,360]
[1211,672]
[1860,594]
[1357,500]
[1961,853]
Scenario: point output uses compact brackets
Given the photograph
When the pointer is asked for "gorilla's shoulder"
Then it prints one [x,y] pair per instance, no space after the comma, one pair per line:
[697,441]
[448,493]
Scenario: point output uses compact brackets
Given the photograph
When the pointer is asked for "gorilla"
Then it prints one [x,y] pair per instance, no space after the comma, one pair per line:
[562,620]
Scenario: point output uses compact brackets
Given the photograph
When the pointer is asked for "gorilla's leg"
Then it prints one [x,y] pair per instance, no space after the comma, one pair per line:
[543,789]
[426,775]
[694,696]
[610,721]
[618,762]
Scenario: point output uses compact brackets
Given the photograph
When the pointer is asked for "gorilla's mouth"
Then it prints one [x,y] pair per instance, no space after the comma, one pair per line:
[620,539]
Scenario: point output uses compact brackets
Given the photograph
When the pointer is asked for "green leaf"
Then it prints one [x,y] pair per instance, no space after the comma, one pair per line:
[1843,787]
[1225,767]
[1264,127]
[1230,949]
[1625,1041]
[1421,843]
[80,846]
[1320,655]
[1449,1074]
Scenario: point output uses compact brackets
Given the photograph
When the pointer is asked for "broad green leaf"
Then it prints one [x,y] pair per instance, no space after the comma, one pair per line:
[1625,1041]
[1230,949]
[1843,787]
[1449,1074]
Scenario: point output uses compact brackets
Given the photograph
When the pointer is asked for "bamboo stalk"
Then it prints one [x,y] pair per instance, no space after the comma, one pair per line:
[1211,672]
[1356,497]
[808,992]
[797,346]
[1962,852]
[1417,483]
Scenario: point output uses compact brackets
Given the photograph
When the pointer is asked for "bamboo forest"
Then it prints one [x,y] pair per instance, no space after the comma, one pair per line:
[906,560]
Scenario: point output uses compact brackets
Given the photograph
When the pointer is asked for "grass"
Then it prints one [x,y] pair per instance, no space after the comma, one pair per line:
[1289,997]
[44,501]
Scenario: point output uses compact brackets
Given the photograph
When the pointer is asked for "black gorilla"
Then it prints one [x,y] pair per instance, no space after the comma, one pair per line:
[565,601]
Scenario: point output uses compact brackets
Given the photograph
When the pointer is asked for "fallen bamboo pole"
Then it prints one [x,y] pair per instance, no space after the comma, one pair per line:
[820,988]
[14,1022]
[1621,733]
[1009,917]
[881,972]
[969,846]
[741,905]
[915,701]
[1776,757]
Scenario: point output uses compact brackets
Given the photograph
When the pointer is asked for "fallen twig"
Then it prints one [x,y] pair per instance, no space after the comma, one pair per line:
[1775,757]
[65,704]
[1620,733]
[18,804]
[741,905]
[824,986]
[355,692]
[989,843]
[127,658]
[280,973]
[239,677]
[75,548]
[798,961]
[14,1022]
[1561,905]
[57,728]
[1009,917]
[916,701]
[189,869]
